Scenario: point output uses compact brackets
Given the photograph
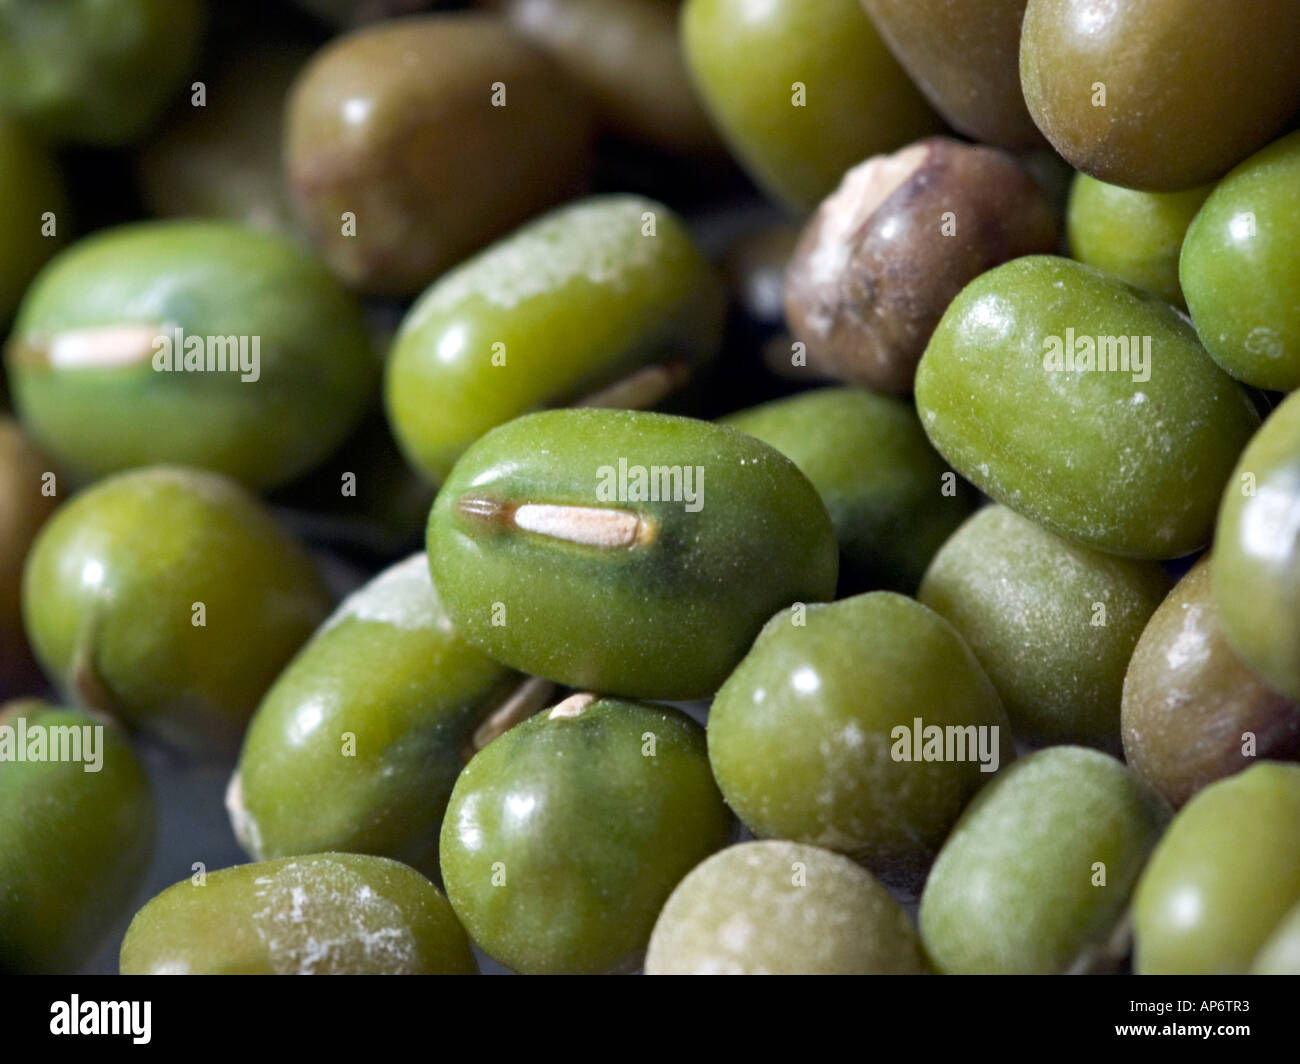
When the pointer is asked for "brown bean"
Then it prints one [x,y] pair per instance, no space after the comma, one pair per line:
[1191,708]
[886,252]
[971,77]
[412,143]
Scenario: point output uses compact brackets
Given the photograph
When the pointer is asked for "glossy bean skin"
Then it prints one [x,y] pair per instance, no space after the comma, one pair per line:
[1223,876]
[1191,87]
[554,562]
[322,914]
[1240,266]
[1280,955]
[1053,624]
[605,291]
[1037,874]
[140,593]
[811,737]
[1133,235]
[1193,711]
[782,908]
[75,838]
[74,69]
[356,746]
[1257,552]
[373,119]
[748,58]
[971,76]
[892,500]
[1143,462]
[565,871]
[93,354]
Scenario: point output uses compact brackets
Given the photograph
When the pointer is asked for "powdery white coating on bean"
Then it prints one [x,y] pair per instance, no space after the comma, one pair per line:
[599,240]
[1053,623]
[1264,341]
[764,908]
[401,596]
[1016,887]
[320,916]
[840,222]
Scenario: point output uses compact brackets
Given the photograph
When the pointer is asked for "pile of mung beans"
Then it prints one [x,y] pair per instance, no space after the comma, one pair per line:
[718,487]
